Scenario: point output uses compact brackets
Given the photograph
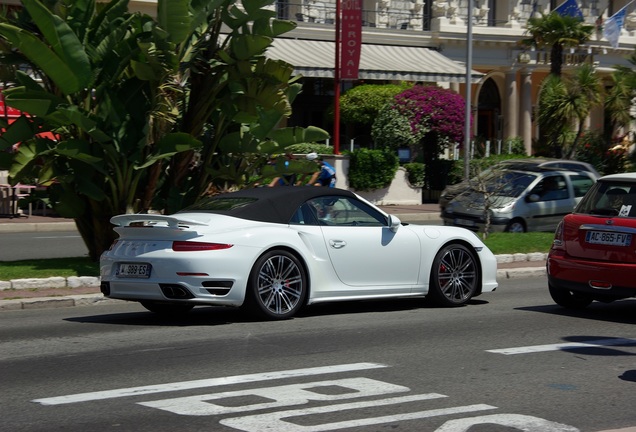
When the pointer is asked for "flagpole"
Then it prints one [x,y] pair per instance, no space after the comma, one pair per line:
[336,86]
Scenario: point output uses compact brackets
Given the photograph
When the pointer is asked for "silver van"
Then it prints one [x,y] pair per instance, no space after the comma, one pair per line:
[522,164]
[519,201]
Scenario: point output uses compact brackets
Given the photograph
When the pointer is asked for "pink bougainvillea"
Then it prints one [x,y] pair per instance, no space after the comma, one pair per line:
[435,109]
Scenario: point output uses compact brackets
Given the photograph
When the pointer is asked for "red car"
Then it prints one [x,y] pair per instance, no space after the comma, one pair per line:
[593,256]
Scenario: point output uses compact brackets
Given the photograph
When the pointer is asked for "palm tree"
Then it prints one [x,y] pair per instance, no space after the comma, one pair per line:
[566,101]
[556,32]
[619,97]
[585,92]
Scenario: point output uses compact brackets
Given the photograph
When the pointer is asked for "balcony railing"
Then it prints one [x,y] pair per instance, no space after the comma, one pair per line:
[325,13]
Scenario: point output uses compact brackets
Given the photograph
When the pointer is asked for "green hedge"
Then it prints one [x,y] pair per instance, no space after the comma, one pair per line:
[372,169]
[415,172]
[309,148]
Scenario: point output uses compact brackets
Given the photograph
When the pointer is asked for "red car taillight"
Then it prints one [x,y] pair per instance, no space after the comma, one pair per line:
[189,246]
[113,245]
[557,243]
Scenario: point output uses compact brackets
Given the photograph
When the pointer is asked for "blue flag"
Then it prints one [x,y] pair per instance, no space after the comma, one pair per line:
[613,25]
[569,8]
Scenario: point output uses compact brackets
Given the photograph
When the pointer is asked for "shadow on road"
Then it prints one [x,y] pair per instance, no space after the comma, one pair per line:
[215,316]
[620,312]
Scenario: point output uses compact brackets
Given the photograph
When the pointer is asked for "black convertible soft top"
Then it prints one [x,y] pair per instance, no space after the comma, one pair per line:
[264,204]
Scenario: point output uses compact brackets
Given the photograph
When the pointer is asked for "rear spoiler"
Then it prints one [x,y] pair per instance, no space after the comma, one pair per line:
[152,219]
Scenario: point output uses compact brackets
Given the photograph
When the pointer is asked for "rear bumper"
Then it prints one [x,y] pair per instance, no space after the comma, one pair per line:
[567,273]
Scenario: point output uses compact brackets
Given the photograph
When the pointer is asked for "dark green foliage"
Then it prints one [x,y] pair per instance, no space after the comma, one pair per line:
[606,157]
[516,146]
[362,103]
[415,172]
[309,148]
[372,169]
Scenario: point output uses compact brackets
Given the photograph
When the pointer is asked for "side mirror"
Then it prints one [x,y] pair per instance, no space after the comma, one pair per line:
[533,198]
[394,223]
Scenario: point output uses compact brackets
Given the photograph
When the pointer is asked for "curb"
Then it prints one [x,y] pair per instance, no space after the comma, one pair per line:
[56,302]
[37,227]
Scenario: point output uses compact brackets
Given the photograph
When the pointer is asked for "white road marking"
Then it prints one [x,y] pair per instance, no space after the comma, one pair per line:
[563,346]
[212,382]
[277,397]
[274,421]
[516,421]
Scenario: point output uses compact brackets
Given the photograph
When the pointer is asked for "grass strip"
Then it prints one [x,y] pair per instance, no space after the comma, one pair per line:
[43,268]
[509,243]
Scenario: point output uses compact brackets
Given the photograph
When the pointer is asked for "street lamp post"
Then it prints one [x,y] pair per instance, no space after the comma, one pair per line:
[469,67]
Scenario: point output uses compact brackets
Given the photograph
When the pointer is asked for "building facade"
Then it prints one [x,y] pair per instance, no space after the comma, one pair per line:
[427,41]
[505,94]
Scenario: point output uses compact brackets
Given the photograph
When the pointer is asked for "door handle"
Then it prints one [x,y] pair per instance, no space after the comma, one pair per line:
[337,244]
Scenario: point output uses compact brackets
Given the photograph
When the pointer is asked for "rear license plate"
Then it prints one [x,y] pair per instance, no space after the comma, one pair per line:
[133,270]
[464,222]
[608,238]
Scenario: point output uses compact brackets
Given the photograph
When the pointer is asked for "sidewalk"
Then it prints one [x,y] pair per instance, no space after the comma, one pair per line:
[76,291]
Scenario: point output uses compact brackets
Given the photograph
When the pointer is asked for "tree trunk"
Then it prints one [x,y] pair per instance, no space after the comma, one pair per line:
[556,59]
[96,230]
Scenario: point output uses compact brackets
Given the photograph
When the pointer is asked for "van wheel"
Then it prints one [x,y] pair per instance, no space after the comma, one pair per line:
[516,226]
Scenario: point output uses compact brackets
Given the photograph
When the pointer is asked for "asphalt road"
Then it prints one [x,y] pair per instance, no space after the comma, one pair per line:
[511,360]
[37,245]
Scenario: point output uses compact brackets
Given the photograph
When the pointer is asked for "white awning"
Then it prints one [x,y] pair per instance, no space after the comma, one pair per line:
[316,59]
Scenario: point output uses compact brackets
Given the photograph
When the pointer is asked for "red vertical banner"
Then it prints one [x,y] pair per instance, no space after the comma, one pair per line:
[351,39]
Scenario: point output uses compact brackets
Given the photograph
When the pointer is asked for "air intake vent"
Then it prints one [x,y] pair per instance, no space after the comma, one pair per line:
[218,291]
[217,283]
[218,287]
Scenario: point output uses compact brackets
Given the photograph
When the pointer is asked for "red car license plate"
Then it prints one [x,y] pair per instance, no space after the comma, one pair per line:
[608,238]
[133,270]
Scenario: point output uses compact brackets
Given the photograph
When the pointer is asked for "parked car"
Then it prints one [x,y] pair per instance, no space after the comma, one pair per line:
[275,250]
[592,256]
[519,201]
[451,191]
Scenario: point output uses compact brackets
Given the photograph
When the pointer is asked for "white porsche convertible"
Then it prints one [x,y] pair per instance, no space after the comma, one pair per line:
[274,250]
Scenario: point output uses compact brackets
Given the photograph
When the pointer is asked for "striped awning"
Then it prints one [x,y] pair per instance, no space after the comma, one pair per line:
[312,58]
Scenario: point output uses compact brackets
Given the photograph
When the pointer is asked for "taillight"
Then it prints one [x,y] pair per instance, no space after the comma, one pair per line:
[190,246]
[112,246]
[557,243]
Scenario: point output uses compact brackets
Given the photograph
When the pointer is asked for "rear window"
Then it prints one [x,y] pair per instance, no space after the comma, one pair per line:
[610,199]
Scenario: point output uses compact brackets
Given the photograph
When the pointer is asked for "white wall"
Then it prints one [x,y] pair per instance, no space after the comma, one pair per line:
[400,192]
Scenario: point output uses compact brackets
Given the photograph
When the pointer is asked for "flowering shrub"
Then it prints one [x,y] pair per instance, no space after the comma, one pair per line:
[606,157]
[433,108]
[419,113]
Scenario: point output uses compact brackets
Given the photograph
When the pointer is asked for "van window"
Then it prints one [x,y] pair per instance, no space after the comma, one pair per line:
[551,188]
[581,184]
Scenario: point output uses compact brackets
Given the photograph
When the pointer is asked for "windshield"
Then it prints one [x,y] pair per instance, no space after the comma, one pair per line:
[505,183]
[608,198]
